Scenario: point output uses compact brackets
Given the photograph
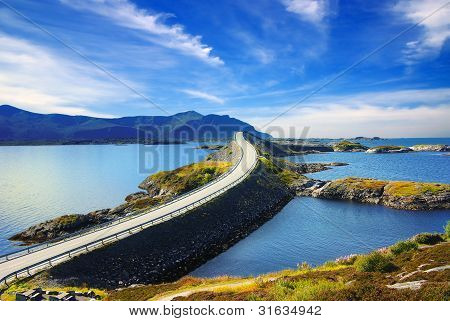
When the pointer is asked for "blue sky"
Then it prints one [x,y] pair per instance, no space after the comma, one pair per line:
[249,59]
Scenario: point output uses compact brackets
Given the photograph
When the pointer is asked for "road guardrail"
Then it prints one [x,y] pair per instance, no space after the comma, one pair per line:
[44,264]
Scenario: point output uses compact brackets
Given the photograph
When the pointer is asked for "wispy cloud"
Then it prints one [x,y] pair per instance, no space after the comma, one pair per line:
[154,26]
[34,77]
[403,113]
[308,10]
[203,95]
[435,30]
[368,120]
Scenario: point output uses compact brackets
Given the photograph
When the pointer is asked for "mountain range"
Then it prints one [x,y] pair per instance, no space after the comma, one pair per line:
[21,126]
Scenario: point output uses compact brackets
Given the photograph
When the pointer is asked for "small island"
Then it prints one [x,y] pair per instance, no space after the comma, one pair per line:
[388,149]
[395,194]
[348,146]
[430,148]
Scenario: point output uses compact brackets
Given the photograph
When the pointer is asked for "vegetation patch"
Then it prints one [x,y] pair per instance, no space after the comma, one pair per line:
[360,183]
[280,168]
[41,281]
[302,289]
[403,246]
[374,262]
[415,188]
[184,179]
[348,146]
[428,238]
[395,194]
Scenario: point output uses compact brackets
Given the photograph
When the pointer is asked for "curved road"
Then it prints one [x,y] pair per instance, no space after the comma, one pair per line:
[247,162]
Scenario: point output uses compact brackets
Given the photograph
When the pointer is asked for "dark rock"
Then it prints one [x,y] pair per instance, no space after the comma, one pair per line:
[210,147]
[135,196]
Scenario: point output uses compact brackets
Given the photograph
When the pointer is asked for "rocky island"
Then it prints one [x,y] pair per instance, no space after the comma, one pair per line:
[388,149]
[431,148]
[348,146]
[394,194]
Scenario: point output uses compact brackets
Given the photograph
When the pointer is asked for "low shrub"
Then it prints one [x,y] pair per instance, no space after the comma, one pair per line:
[403,246]
[447,229]
[374,262]
[428,238]
[303,289]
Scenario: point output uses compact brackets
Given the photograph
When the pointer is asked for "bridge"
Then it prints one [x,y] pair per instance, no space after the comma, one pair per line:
[33,259]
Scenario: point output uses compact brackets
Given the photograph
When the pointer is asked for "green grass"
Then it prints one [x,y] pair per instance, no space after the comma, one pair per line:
[286,175]
[415,188]
[403,246]
[146,202]
[302,289]
[428,238]
[189,177]
[40,281]
[360,183]
[399,189]
[66,219]
[346,145]
[374,262]
[388,147]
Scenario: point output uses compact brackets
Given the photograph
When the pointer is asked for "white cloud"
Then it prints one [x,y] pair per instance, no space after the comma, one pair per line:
[308,10]
[263,55]
[336,121]
[203,95]
[254,48]
[435,29]
[33,77]
[127,14]
[406,113]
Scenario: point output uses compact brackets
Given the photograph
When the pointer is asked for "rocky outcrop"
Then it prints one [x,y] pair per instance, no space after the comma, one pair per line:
[228,153]
[66,224]
[431,148]
[62,225]
[304,168]
[398,195]
[388,149]
[210,147]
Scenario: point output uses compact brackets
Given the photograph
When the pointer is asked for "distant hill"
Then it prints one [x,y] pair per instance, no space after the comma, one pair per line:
[21,126]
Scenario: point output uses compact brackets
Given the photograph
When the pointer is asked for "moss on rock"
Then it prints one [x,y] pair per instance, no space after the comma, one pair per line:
[348,146]
[184,179]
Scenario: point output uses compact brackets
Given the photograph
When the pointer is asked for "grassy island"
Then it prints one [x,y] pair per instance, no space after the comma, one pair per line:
[395,194]
[187,178]
[348,146]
